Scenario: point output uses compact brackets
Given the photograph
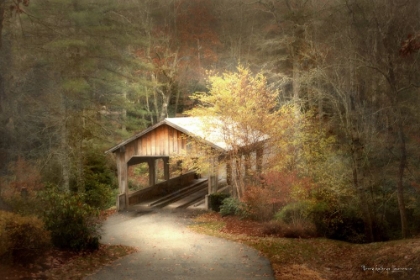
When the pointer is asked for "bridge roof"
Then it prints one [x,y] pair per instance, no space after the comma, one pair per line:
[218,133]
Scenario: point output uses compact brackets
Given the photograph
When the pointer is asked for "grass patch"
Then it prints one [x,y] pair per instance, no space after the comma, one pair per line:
[320,258]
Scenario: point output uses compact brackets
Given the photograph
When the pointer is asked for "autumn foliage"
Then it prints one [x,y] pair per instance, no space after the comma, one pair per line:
[22,238]
[275,190]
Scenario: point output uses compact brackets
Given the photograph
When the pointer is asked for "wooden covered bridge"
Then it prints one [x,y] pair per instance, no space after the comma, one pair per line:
[164,140]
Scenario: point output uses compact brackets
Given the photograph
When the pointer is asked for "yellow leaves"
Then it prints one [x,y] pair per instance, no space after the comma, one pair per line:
[238,95]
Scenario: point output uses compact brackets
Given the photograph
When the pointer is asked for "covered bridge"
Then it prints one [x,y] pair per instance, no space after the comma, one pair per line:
[162,141]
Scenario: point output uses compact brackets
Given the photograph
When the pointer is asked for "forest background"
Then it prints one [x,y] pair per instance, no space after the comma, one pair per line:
[77,76]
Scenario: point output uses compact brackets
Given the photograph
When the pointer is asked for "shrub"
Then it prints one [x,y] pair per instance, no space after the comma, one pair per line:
[273,228]
[233,206]
[98,195]
[339,223]
[302,229]
[22,238]
[216,200]
[99,180]
[73,223]
[294,213]
[295,220]
[275,190]
[260,203]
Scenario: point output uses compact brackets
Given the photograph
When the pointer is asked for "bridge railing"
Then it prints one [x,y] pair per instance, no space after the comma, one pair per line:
[161,188]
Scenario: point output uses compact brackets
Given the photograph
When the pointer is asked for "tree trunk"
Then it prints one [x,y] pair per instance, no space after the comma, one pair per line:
[401,139]
[124,114]
[367,216]
[400,186]
[165,103]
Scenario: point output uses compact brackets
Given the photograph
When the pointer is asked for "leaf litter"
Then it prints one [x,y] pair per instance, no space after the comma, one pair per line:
[318,258]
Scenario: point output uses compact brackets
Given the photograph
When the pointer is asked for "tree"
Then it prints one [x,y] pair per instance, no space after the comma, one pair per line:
[366,97]
[246,110]
[67,75]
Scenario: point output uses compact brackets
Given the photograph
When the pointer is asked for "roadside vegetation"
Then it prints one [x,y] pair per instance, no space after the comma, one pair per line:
[60,264]
[316,258]
[48,233]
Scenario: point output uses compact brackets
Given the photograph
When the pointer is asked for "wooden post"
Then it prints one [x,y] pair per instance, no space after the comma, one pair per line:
[212,179]
[122,204]
[152,172]
[125,183]
[166,173]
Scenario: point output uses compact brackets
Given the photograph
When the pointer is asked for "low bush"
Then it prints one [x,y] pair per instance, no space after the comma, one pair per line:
[294,213]
[302,229]
[233,206]
[73,223]
[273,228]
[260,202]
[272,191]
[296,221]
[99,180]
[99,195]
[22,238]
[216,200]
[339,223]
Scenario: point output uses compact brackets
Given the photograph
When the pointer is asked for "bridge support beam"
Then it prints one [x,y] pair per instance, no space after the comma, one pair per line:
[166,172]
[152,172]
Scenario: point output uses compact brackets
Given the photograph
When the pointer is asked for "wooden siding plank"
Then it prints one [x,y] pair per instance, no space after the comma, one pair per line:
[153,136]
[129,151]
[172,142]
[139,146]
[149,148]
[167,139]
[162,141]
[143,146]
[159,134]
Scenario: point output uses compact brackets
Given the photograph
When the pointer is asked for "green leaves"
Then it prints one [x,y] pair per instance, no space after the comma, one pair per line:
[73,223]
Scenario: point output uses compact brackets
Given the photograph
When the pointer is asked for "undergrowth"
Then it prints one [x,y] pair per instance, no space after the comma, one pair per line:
[320,258]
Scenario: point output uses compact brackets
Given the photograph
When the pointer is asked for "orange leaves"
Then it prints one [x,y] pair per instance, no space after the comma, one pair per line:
[276,190]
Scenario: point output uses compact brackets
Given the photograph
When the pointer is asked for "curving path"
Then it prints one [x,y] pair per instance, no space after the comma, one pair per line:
[167,249]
